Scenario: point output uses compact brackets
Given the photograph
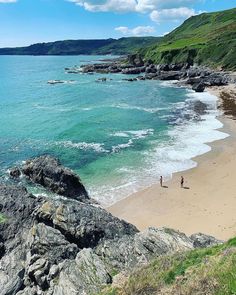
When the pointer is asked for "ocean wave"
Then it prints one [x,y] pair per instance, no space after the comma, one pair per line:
[136,134]
[143,109]
[185,141]
[97,147]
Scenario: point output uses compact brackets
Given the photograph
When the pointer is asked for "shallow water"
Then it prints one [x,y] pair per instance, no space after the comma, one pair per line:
[119,136]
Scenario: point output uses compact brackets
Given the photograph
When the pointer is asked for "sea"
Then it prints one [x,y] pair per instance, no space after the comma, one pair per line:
[119,136]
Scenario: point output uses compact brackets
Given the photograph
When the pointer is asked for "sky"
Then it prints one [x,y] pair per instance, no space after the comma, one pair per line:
[25,22]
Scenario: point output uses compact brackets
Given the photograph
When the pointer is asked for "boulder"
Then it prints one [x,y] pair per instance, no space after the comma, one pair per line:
[130,251]
[82,224]
[135,60]
[133,71]
[84,275]
[198,87]
[48,172]
[202,241]
[15,172]
[170,75]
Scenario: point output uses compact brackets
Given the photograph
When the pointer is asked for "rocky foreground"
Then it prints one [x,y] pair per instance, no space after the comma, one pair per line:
[69,244]
[196,77]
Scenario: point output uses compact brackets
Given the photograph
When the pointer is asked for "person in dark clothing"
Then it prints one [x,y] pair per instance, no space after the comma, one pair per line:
[182,181]
[161,181]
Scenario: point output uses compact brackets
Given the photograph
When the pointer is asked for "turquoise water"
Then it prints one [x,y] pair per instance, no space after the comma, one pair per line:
[119,136]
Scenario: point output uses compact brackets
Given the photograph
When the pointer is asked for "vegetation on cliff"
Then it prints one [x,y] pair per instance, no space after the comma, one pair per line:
[208,39]
[201,271]
[76,47]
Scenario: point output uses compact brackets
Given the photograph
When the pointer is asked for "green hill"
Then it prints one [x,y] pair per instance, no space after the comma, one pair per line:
[208,38]
[76,47]
[209,271]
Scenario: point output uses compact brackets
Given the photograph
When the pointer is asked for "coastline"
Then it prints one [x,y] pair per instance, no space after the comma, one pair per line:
[207,206]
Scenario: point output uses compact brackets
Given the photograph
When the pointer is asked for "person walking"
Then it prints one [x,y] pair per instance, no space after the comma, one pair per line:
[161,181]
[182,181]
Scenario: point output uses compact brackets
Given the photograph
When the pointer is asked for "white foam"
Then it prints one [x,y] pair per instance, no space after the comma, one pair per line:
[118,147]
[98,147]
[136,134]
[143,109]
[186,141]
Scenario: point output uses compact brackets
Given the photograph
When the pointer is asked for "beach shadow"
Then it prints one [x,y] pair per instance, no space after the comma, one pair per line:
[165,186]
[186,187]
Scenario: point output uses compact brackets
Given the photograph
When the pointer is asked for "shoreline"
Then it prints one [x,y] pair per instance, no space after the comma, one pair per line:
[207,206]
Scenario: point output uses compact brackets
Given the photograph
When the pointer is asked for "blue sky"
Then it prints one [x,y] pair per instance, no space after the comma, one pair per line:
[24,22]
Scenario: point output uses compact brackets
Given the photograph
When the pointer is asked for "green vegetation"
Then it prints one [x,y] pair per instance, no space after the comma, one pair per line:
[2,218]
[208,38]
[201,271]
[75,47]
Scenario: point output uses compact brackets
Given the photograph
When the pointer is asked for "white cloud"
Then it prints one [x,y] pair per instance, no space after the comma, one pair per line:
[142,6]
[138,31]
[172,14]
[107,5]
[8,1]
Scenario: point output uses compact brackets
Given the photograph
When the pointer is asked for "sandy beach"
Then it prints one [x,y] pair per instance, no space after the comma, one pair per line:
[207,203]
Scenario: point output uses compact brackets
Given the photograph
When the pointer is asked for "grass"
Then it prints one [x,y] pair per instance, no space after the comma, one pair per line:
[212,36]
[2,218]
[201,271]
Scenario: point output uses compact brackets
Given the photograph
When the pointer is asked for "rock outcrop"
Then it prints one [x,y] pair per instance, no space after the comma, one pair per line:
[63,246]
[197,76]
[48,172]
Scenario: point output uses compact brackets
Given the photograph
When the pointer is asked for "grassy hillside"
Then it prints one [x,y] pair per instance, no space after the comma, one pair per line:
[75,47]
[209,271]
[208,38]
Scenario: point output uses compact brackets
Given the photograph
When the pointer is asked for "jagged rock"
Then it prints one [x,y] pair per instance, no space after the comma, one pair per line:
[170,75]
[84,275]
[135,60]
[202,241]
[150,76]
[151,69]
[83,224]
[163,67]
[15,172]
[49,242]
[133,71]
[129,251]
[199,87]
[38,271]
[17,206]
[48,172]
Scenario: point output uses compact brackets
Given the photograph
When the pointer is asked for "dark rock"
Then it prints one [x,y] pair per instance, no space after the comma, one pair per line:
[150,76]
[135,60]
[51,243]
[199,87]
[101,80]
[48,172]
[199,107]
[130,251]
[15,172]
[83,224]
[86,275]
[151,69]
[133,71]
[170,75]
[17,206]
[202,241]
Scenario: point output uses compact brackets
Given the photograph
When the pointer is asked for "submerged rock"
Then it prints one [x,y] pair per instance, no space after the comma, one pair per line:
[48,172]
[15,172]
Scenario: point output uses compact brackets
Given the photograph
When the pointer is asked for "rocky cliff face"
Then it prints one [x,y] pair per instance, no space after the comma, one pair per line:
[68,246]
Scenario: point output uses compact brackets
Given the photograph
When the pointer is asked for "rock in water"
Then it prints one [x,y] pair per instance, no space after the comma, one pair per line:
[199,87]
[48,172]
